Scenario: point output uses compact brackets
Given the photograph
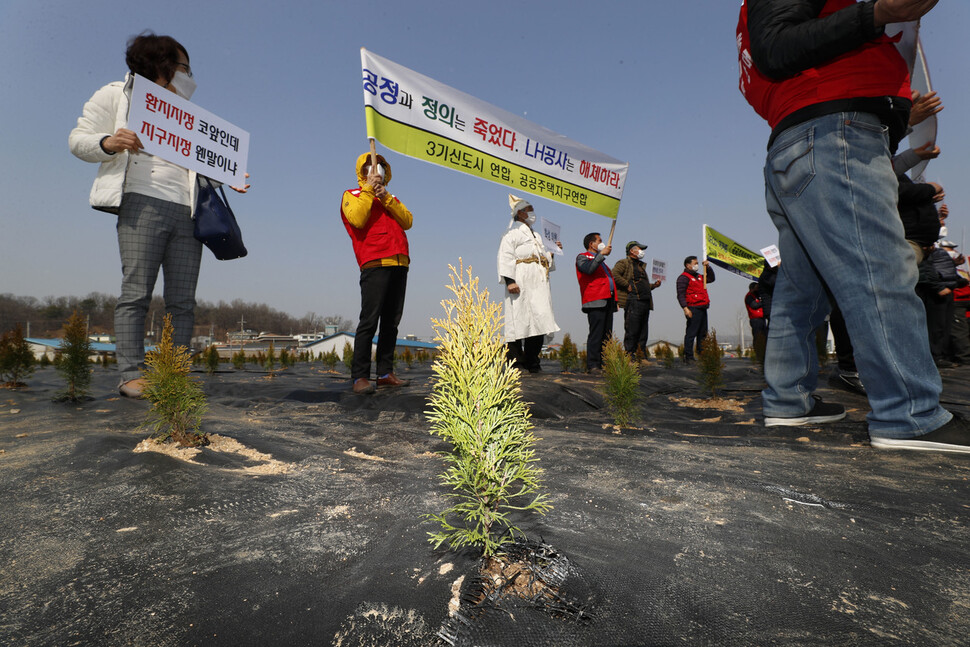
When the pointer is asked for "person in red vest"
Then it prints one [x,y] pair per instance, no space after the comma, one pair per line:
[598,293]
[836,93]
[376,222]
[693,298]
[756,313]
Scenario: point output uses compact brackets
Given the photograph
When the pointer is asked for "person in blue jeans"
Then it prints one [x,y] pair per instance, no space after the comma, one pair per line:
[836,94]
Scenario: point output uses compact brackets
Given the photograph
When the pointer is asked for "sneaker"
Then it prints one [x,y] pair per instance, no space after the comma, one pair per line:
[849,381]
[363,386]
[133,388]
[954,436]
[821,412]
[944,363]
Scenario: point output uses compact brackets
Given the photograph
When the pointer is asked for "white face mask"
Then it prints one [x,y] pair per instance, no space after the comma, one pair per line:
[184,85]
[694,268]
[641,254]
[943,231]
[601,246]
[530,218]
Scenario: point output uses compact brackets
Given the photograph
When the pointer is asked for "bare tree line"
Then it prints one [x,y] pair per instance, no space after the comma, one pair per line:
[47,316]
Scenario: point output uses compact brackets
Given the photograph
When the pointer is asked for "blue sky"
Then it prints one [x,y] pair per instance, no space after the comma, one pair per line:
[653,83]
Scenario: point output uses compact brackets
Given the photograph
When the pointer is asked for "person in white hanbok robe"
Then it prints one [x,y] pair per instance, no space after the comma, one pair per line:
[523,266]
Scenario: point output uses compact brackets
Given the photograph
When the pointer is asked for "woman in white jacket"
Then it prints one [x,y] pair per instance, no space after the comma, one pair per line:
[153,199]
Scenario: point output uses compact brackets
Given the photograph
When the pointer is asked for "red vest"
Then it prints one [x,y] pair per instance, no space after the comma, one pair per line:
[381,237]
[696,294]
[595,286]
[874,70]
[753,313]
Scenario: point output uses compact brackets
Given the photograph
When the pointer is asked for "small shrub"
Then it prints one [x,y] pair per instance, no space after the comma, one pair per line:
[177,400]
[211,359]
[711,363]
[568,357]
[476,405]
[666,355]
[622,383]
[680,351]
[16,359]
[348,356]
[239,360]
[286,359]
[270,360]
[74,365]
[408,358]
[330,360]
[44,361]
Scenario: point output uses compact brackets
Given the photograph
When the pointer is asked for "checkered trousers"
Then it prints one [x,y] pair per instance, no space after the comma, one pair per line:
[154,233]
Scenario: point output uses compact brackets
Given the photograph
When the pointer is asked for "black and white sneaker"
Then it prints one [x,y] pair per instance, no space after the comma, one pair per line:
[954,437]
[848,380]
[821,412]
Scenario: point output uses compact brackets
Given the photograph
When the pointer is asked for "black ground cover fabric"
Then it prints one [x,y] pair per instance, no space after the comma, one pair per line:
[699,527]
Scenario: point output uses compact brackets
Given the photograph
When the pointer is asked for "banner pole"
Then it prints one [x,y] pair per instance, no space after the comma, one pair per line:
[373,154]
[704,247]
[609,242]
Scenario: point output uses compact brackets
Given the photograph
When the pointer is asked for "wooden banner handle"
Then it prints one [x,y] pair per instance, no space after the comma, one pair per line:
[373,155]
[609,242]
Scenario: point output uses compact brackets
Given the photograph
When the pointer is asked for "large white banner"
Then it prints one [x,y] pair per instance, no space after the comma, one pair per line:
[181,132]
[422,118]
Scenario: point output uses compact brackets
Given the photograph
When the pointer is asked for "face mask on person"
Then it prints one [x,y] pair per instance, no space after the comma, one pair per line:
[530,218]
[600,246]
[184,85]
[694,267]
[641,254]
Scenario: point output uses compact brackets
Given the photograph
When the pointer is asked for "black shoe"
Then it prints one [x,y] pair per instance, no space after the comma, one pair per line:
[954,436]
[821,412]
[944,363]
[849,381]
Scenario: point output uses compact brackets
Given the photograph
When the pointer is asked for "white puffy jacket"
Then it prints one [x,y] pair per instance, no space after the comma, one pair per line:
[104,113]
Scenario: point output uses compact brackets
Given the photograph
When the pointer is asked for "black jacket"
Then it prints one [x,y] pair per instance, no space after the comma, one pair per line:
[921,221]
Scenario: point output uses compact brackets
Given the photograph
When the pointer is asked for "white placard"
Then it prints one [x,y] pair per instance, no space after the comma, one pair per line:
[659,272]
[772,255]
[550,235]
[182,133]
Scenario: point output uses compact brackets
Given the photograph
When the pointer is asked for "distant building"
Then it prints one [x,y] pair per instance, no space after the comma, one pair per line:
[336,343]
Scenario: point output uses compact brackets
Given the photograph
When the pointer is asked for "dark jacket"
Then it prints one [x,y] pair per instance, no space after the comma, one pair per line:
[921,222]
[766,287]
[627,272]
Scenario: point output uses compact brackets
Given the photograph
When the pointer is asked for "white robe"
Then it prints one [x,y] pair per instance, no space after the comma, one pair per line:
[528,313]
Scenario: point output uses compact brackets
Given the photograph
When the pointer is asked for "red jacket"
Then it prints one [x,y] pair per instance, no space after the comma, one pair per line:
[873,70]
[751,299]
[595,286]
[381,237]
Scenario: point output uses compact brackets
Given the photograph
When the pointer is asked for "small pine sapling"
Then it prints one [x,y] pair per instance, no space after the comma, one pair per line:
[666,355]
[177,400]
[286,360]
[239,360]
[211,359]
[568,358]
[16,358]
[621,383]
[711,364]
[476,405]
[408,358]
[74,365]
[348,355]
[270,360]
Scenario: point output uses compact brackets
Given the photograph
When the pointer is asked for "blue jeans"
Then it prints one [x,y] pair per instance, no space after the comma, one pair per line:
[831,193]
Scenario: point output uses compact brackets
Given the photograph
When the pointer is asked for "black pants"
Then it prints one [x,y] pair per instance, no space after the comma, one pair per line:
[939,318]
[759,326]
[696,331]
[600,328]
[636,324]
[843,345]
[960,333]
[381,303]
[525,352]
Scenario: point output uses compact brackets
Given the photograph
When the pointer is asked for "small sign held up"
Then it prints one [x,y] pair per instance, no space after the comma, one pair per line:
[550,235]
[659,272]
[180,132]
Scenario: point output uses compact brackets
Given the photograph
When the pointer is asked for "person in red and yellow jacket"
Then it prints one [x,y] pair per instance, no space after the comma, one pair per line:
[598,293]
[376,222]
[693,298]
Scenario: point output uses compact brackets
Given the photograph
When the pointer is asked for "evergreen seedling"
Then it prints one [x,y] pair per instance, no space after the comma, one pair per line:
[239,360]
[476,405]
[270,360]
[330,360]
[16,358]
[348,356]
[74,364]
[711,364]
[45,361]
[211,360]
[408,358]
[177,400]
[286,359]
[666,354]
[622,383]
[568,358]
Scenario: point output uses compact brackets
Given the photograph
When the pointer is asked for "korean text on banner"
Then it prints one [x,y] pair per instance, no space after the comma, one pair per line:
[732,256]
[550,235]
[422,118]
[659,272]
[181,132]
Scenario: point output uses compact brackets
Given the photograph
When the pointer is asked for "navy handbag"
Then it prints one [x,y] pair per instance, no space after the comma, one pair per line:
[215,225]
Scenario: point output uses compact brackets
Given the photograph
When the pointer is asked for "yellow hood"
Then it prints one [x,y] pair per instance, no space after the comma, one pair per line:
[362,179]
